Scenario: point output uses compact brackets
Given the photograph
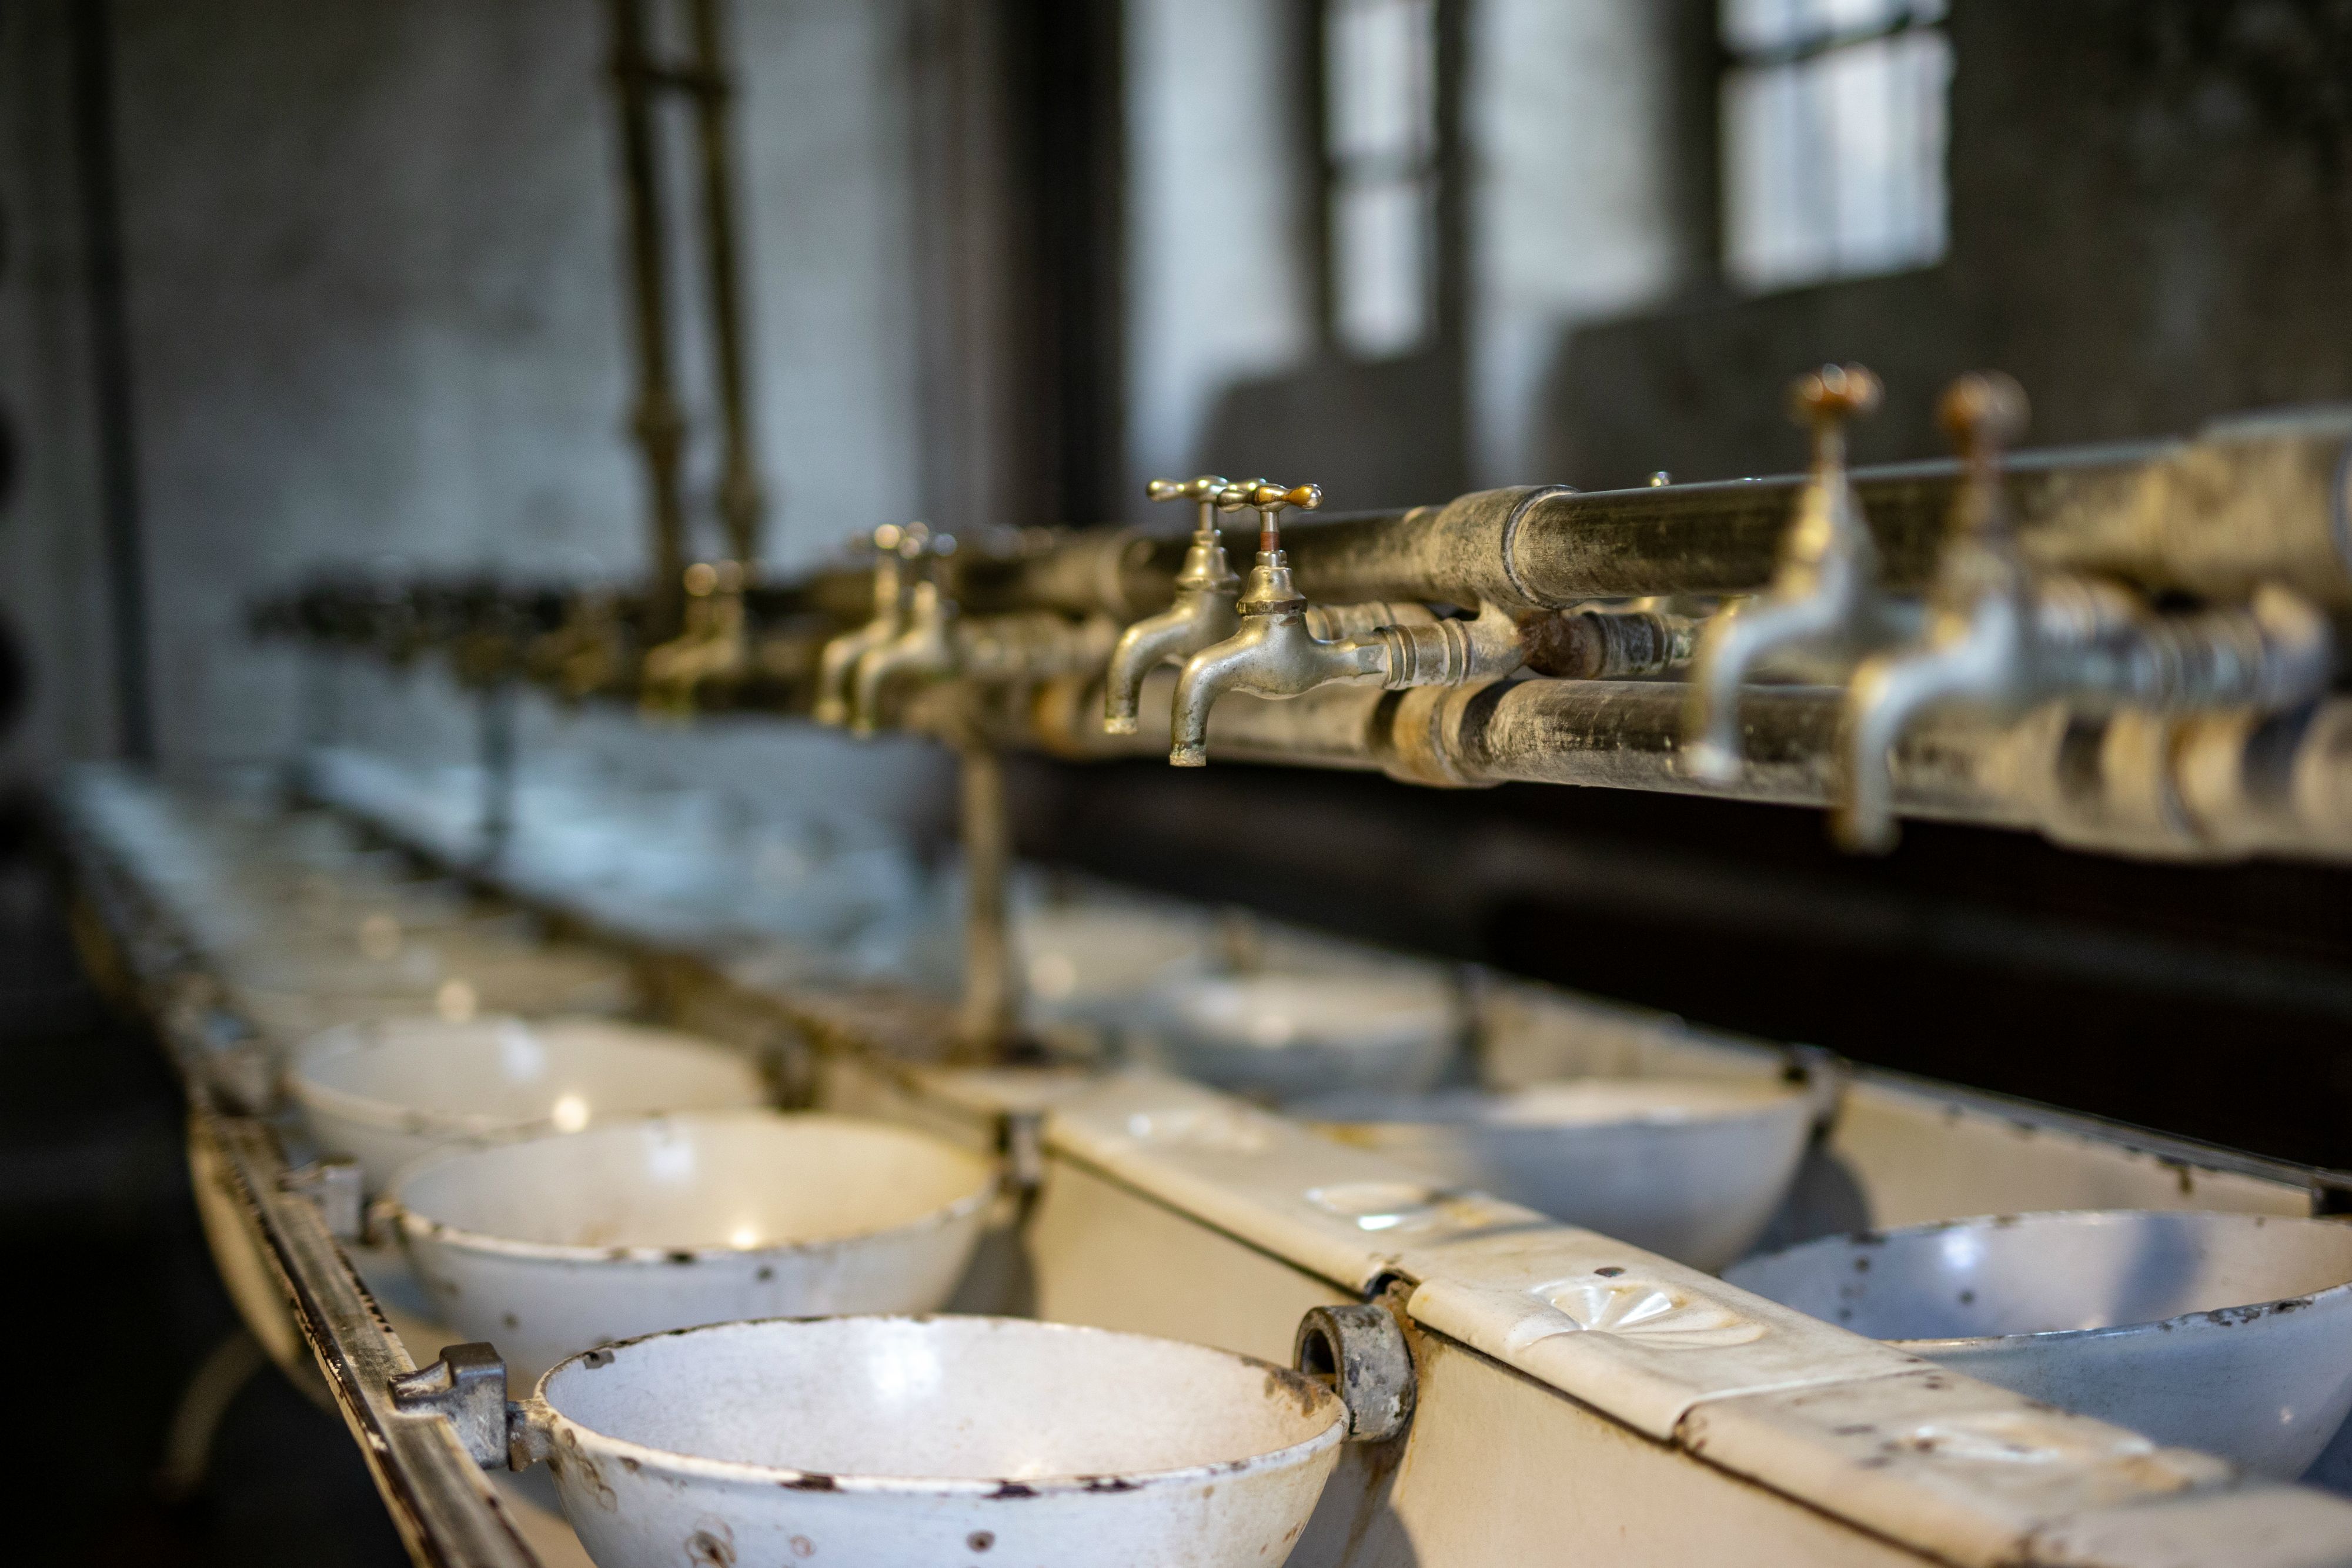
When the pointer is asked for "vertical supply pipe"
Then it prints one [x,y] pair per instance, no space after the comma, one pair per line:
[660,427]
[741,503]
[990,1009]
[92,43]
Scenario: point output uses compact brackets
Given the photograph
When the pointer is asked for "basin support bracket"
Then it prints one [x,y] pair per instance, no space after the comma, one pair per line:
[1361,1353]
[467,1388]
[333,1188]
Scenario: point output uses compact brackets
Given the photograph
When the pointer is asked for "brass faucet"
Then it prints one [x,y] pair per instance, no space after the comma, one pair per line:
[1202,616]
[2002,638]
[1273,653]
[924,645]
[1824,596]
[589,651]
[712,648]
[893,545]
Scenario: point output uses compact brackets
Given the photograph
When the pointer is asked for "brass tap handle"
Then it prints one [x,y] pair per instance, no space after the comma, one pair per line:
[1834,392]
[705,578]
[1822,400]
[1204,490]
[1269,499]
[1983,413]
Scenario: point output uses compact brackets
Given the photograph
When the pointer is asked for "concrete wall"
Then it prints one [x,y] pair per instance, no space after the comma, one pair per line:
[51,552]
[1219,285]
[1579,211]
[376,310]
[2151,222]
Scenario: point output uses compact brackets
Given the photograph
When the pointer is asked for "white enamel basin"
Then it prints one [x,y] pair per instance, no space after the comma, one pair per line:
[886,1442]
[1692,1168]
[1280,1036]
[293,998]
[555,1243]
[2229,1333]
[385,1092]
[1084,960]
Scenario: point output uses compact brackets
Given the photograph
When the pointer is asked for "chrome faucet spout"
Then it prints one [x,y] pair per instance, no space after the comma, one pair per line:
[1203,614]
[1824,596]
[1983,660]
[1735,642]
[1987,644]
[1174,633]
[1273,655]
[838,662]
[925,647]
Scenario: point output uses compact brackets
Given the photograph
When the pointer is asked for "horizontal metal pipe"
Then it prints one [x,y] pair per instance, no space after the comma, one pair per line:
[2197,787]
[2241,505]
[2244,502]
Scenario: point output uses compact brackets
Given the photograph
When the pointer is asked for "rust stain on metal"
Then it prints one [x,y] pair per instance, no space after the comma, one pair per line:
[1302,1390]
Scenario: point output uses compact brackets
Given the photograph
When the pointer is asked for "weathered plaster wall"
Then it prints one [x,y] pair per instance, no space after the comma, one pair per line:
[376,310]
[2152,219]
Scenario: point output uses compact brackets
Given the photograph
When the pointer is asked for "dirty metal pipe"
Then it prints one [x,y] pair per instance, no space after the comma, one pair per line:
[2184,786]
[740,501]
[656,422]
[990,1013]
[2244,502]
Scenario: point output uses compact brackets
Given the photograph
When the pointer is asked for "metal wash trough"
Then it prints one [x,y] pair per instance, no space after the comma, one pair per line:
[1573,1396]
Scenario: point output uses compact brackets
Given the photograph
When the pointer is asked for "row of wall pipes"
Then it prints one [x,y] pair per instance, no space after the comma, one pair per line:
[2127,648]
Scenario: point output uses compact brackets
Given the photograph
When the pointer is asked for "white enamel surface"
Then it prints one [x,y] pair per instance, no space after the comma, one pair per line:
[1281,1036]
[1079,959]
[2227,1332]
[389,1091]
[922,1441]
[550,1245]
[1692,1168]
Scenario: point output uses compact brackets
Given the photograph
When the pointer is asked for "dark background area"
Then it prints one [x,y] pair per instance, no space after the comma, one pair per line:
[115,1303]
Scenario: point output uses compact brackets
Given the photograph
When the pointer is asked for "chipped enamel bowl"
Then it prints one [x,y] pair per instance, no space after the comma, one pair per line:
[552,1244]
[919,1441]
[1692,1168]
[387,1092]
[292,999]
[2229,1333]
[1279,1036]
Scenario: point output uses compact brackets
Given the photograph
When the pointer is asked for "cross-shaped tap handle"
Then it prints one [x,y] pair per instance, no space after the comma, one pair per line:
[1269,499]
[1982,412]
[1824,400]
[1203,490]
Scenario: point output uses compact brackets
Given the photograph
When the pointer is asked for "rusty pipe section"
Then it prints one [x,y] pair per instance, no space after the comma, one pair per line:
[2245,501]
[2189,786]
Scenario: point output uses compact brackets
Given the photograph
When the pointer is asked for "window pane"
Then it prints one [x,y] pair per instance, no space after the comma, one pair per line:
[1380,87]
[1751,26]
[1381,255]
[1835,166]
